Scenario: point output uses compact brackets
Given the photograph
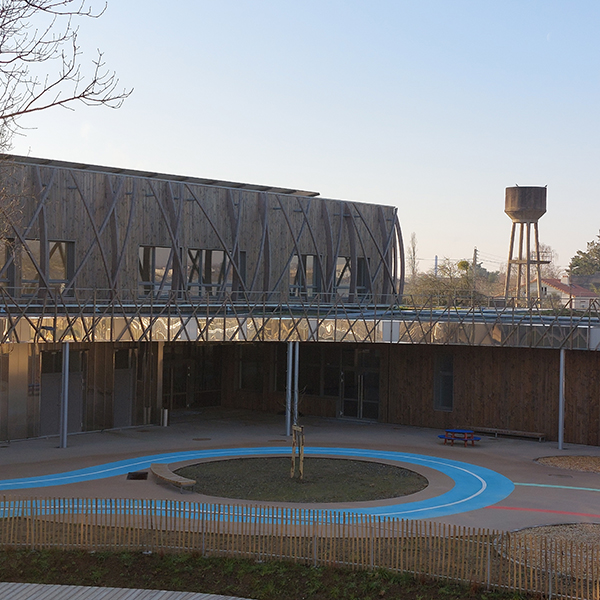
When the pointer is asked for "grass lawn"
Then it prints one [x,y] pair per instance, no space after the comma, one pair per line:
[325,480]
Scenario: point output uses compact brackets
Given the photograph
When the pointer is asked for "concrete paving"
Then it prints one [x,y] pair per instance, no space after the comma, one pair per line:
[542,494]
[35,591]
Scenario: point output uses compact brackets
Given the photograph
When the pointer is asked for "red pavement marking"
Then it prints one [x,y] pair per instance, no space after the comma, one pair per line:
[556,512]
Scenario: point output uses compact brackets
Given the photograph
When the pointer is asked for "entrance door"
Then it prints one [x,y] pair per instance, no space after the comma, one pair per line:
[177,384]
[360,384]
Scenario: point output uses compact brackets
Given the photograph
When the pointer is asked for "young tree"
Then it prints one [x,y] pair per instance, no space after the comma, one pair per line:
[40,62]
[588,262]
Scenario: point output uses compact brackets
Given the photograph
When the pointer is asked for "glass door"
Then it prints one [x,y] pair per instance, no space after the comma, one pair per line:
[350,394]
[176,384]
[359,384]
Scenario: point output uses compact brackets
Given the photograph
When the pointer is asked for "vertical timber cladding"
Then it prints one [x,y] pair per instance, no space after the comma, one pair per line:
[109,217]
[19,391]
[249,376]
[582,397]
[506,388]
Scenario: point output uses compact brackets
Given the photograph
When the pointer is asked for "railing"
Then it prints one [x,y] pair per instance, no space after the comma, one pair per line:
[93,315]
[513,561]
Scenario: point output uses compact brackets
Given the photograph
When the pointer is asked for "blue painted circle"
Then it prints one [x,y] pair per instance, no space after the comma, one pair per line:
[474,486]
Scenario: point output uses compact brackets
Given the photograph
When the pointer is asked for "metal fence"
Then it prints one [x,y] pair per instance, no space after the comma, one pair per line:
[517,561]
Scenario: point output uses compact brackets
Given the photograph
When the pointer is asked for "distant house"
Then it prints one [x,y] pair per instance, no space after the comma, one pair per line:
[573,294]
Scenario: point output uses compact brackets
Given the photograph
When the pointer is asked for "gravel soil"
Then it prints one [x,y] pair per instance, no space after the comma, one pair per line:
[325,480]
[589,464]
[585,533]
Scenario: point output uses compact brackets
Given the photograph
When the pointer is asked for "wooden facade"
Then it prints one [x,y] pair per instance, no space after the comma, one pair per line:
[82,230]
[504,388]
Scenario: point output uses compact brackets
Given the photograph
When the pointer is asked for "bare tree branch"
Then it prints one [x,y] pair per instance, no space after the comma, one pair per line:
[40,36]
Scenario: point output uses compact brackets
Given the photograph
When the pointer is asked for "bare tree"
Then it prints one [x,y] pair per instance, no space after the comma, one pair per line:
[40,62]
[551,269]
[411,255]
[451,285]
[40,68]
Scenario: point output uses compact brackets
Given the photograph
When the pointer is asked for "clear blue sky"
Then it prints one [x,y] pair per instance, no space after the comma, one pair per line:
[434,106]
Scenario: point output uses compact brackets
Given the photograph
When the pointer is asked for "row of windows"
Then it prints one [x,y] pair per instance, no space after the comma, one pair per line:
[210,272]
[207,272]
[202,272]
[306,277]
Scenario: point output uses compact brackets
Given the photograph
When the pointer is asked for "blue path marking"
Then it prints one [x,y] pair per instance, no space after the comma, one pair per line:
[475,487]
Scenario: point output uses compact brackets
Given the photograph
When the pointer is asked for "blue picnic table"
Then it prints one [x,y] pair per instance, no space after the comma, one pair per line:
[460,435]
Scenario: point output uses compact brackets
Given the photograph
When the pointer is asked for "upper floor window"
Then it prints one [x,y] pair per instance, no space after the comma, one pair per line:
[7,265]
[155,270]
[60,267]
[211,272]
[363,281]
[347,287]
[50,267]
[305,276]
[30,266]
[343,277]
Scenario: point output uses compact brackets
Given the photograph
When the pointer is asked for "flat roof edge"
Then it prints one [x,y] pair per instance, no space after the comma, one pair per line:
[47,162]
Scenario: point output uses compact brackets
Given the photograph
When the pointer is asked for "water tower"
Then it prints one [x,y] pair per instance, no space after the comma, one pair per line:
[524,205]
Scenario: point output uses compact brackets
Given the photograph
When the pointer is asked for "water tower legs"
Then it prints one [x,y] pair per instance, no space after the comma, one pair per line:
[524,262]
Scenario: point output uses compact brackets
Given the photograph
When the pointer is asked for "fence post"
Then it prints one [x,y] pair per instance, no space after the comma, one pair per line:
[202,524]
[371,544]
[33,512]
[549,563]
[489,561]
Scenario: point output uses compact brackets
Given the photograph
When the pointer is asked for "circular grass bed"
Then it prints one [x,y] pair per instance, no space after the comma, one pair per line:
[325,480]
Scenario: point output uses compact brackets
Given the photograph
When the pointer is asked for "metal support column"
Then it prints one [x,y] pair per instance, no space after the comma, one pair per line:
[64,400]
[288,389]
[561,401]
[296,365]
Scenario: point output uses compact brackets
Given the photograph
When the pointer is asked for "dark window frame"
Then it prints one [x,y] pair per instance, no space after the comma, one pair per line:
[44,269]
[148,283]
[305,278]
[7,265]
[443,387]
[363,281]
[210,272]
[343,277]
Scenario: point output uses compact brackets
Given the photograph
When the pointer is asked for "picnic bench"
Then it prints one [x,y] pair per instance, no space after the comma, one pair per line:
[459,435]
[510,433]
[161,471]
